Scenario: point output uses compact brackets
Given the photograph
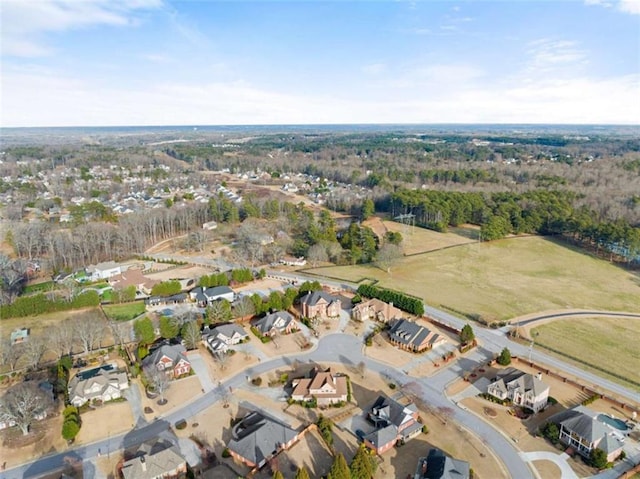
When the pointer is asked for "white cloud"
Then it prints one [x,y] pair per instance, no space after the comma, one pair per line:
[629,6]
[25,23]
[374,68]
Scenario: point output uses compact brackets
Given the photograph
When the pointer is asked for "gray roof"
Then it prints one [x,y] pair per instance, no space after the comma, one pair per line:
[408,332]
[312,298]
[227,330]
[609,444]
[78,387]
[217,291]
[152,465]
[387,410]
[437,465]
[585,426]
[256,437]
[383,436]
[266,323]
[514,378]
[175,352]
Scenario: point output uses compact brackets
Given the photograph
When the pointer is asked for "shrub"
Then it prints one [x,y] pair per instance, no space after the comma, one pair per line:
[551,400]
[70,430]
[504,359]
[257,381]
[181,424]
[425,429]
[392,386]
[226,453]
[551,432]
[325,427]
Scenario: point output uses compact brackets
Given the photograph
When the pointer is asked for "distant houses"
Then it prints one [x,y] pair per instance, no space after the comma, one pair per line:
[103,270]
[20,335]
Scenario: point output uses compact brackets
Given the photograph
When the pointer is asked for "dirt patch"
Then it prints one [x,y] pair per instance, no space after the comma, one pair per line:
[384,352]
[108,420]
[547,469]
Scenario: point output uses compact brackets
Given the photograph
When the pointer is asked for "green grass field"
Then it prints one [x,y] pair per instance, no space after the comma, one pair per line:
[605,343]
[125,311]
[504,279]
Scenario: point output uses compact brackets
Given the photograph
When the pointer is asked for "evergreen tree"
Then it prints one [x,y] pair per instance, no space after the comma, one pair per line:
[504,358]
[466,334]
[277,475]
[339,468]
[363,465]
[302,473]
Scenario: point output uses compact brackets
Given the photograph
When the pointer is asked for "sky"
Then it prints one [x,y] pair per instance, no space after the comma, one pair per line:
[166,62]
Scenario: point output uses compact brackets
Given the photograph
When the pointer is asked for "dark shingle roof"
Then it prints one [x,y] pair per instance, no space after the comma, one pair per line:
[408,332]
[312,298]
[437,465]
[256,437]
[266,323]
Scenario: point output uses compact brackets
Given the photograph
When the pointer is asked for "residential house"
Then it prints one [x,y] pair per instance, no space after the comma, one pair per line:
[159,461]
[583,431]
[291,261]
[393,422]
[326,387]
[318,304]
[230,334]
[169,358]
[522,389]
[103,270]
[173,299]
[209,225]
[257,438]
[437,465]
[376,310]
[204,296]
[133,277]
[411,336]
[279,322]
[20,335]
[101,384]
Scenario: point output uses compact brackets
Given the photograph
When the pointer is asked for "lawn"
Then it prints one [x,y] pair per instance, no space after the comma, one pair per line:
[125,311]
[504,279]
[605,343]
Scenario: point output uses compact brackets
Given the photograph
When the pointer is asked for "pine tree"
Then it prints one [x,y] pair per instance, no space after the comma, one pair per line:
[302,473]
[363,465]
[339,468]
[277,475]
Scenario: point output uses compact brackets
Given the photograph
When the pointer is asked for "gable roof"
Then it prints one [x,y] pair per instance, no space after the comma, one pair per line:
[256,437]
[266,323]
[388,411]
[175,352]
[410,333]
[151,465]
[217,291]
[512,378]
[228,330]
[383,436]
[437,465]
[313,297]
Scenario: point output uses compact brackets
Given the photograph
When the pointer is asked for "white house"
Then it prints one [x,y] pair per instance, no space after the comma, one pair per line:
[229,334]
[105,385]
[103,270]
[522,389]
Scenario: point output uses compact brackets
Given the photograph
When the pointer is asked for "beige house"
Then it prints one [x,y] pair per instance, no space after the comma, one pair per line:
[133,277]
[321,305]
[375,310]
[522,389]
[155,462]
[105,385]
[325,386]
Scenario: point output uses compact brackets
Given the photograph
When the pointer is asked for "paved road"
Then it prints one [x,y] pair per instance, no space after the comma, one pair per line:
[575,313]
[335,347]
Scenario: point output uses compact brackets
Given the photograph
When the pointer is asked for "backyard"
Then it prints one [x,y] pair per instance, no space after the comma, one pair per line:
[503,279]
[124,311]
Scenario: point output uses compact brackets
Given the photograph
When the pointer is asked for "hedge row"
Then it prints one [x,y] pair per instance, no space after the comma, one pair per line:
[405,302]
[41,304]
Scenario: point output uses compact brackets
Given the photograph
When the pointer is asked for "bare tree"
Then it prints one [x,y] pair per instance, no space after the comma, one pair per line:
[10,354]
[362,368]
[159,381]
[388,254]
[88,332]
[120,332]
[61,339]
[222,359]
[23,404]
[34,350]
[317,254]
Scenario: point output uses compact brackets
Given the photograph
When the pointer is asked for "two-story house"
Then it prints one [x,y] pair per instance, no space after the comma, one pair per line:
[101,384]
[375,310]
[522,389]
[326,387]
[279,322]
[219,338]
[169,358]
[393,422]
[584,432]
[321,305]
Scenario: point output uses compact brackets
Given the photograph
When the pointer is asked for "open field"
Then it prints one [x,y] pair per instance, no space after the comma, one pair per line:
[420,240]
[608,343]
[503,279]
[124,311]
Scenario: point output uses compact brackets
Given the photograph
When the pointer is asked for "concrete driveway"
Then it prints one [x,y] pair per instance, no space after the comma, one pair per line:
[133,397]
[198,365]
[559,460]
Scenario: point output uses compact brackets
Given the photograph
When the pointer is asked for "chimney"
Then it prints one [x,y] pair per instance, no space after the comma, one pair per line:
[539,376]
[143,463]
[424,467]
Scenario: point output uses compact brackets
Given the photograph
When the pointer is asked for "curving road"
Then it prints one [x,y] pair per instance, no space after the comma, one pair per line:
[574,313]
[331,348]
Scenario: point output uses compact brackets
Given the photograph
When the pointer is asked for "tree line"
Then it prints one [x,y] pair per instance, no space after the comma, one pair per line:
[407,303]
